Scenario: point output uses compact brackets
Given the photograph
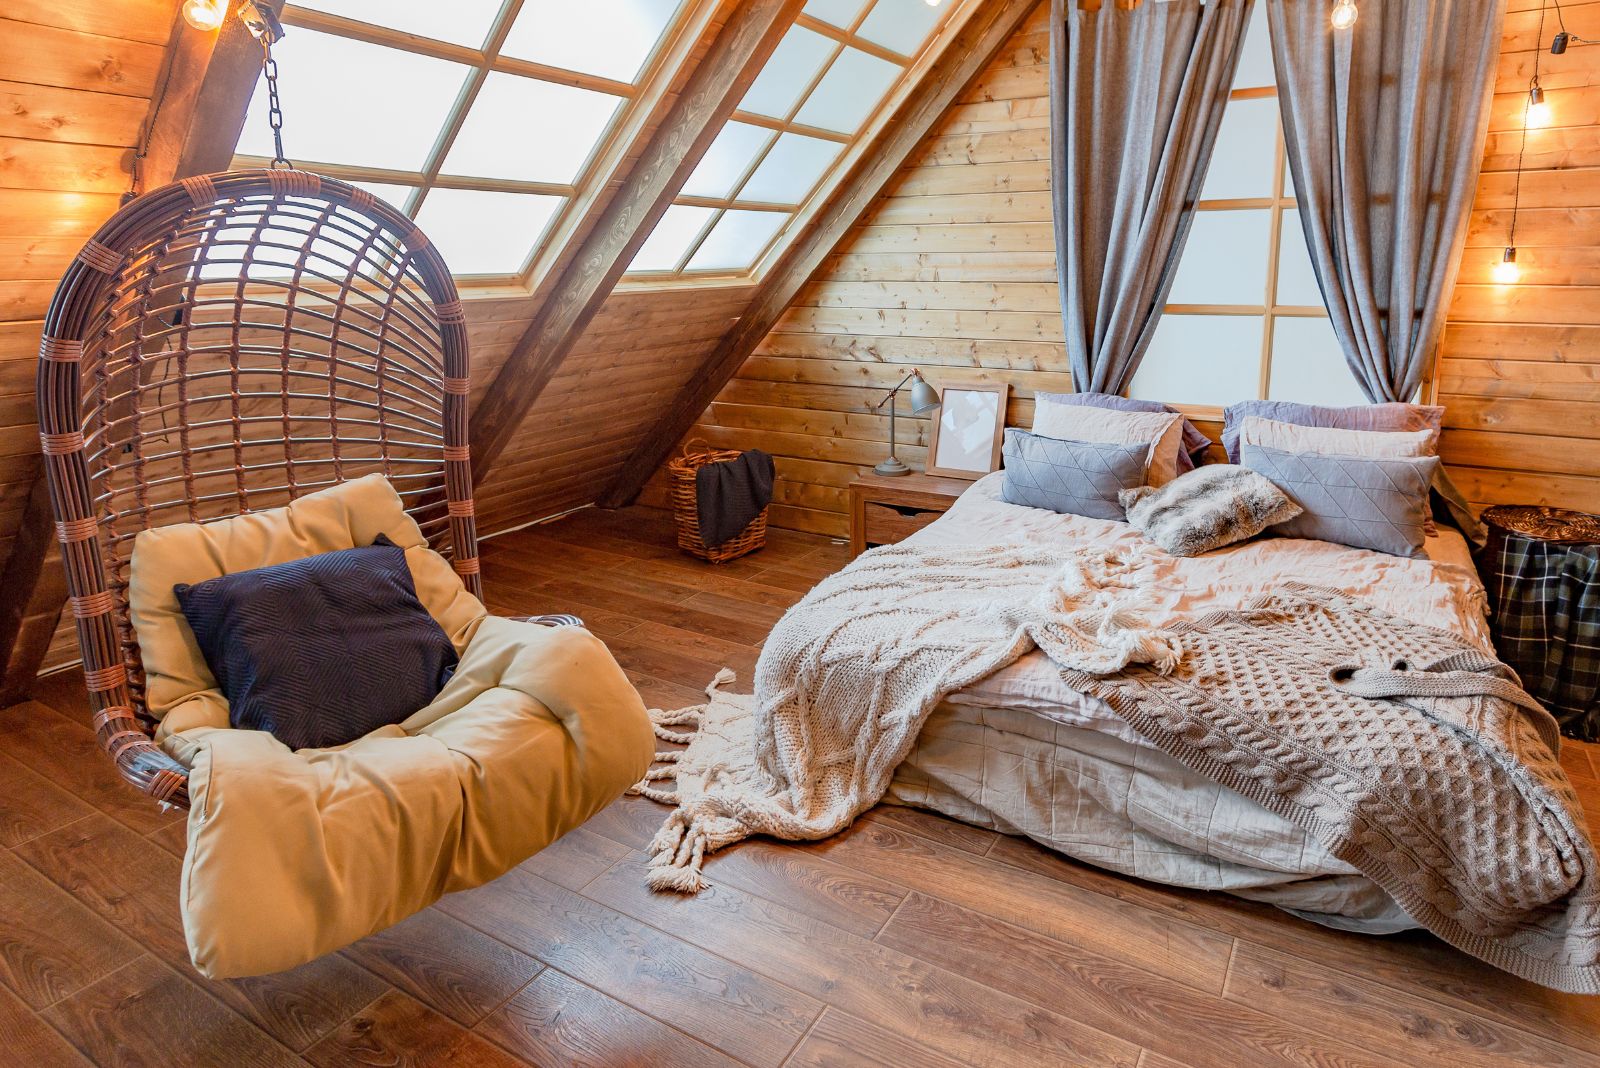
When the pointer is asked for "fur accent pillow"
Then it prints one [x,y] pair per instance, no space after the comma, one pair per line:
[1207,508]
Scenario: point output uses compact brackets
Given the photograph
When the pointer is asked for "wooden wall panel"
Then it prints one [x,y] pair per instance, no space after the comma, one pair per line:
[78,77]
[639,351]
[1519,371]
[953,271]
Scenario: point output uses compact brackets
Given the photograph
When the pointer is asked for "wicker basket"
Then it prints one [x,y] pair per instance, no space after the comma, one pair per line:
[681,469]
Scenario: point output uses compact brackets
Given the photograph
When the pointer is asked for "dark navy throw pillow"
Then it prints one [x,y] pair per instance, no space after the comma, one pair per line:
[323,650]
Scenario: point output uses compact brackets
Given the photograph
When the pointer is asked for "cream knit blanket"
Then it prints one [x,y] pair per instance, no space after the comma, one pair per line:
[849,675]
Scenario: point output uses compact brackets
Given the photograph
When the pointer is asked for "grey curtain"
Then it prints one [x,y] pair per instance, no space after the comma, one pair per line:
[1136,97]
[1384,127]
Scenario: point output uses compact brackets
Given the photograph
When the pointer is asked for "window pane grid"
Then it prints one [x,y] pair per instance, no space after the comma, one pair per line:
[541,203]
[849,48]
[1281,231]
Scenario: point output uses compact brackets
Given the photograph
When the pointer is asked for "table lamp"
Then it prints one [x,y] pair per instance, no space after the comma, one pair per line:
[924,399]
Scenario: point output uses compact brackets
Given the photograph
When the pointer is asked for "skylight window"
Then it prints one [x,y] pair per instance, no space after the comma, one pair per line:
[479,118]
[829,75]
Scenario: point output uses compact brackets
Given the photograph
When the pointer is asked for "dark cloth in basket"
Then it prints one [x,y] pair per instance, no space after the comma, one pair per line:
[729,495]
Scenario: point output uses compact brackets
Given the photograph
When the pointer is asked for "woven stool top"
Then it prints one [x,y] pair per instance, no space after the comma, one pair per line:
[1545,524]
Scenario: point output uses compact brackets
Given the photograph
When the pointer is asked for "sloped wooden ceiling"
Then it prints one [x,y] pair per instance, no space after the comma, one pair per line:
[580,388]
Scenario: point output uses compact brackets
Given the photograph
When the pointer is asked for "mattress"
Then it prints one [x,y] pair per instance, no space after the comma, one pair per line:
[1023,753]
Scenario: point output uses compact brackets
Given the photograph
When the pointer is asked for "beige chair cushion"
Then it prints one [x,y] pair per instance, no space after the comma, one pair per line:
[294,854]
[179,688]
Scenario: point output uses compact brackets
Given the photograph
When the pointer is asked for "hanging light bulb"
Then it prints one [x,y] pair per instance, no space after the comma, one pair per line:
[1538,110]
[205,15]
[1344,14]
[932,3]
[1506,272]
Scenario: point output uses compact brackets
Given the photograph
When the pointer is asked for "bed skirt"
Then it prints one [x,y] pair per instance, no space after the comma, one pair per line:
[1129,808]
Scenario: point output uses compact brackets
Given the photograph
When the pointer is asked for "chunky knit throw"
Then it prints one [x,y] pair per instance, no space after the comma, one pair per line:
[850,673]
[1410,755]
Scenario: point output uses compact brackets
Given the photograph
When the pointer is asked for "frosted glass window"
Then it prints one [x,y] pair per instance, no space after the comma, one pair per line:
[849,92]
[354,103]
[901,25]
[790,170]
[788,73]
[1255,60]
[609,38]
[736,240]
[727,160]
[1297,282]
[1246,153]
[840,13]
[1308,364]
[1201,359]
[483,232]
[530,130]
[463,22]
[671,238]
[1225,260]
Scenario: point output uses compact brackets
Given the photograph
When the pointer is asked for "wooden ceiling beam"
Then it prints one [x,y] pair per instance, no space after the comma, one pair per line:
[963,58]
[199,108]
[747,39]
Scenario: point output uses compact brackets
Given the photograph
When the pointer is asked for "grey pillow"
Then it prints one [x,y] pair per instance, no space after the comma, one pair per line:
[1195,442]
[1387,416]
[1207,508]
[1363,501]
[1076,477]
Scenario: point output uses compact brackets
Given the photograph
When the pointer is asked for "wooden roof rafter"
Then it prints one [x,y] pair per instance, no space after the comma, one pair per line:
[842,39]
[959,59]
[747,39]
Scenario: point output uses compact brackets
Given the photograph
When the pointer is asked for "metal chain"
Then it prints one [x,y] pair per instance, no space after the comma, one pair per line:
[269,68]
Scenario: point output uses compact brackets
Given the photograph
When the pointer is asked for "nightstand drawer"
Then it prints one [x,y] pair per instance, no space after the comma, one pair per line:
[887,523]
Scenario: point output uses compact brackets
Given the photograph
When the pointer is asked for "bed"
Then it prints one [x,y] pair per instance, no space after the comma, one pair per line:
[1022,753]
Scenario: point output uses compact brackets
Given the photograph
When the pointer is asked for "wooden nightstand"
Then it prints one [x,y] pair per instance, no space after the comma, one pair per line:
[886,508]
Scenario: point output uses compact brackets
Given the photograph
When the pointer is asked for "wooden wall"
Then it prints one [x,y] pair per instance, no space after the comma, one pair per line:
[1520,369]
[638,352]
[76,80]
[76,77]
[953,271]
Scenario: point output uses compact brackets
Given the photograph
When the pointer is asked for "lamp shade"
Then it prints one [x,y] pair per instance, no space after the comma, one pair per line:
[924,398]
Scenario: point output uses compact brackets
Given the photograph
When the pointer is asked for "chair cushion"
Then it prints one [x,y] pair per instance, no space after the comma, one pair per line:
[292,855]
[322,650]
[180,689]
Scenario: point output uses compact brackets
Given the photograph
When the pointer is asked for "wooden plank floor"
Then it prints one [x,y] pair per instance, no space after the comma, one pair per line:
[909,940]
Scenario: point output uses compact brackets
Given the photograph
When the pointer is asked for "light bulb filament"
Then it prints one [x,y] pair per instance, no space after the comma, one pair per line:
[205,15]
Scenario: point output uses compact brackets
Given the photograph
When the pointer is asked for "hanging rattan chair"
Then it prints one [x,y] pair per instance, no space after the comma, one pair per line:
[227,344]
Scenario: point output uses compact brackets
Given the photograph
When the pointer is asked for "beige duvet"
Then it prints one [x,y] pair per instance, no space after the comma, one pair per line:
[1024,753]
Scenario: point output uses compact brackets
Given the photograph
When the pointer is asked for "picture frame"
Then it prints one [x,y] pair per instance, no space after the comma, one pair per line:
[968,430]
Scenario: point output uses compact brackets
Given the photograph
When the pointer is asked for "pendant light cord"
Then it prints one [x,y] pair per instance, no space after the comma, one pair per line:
[1561,21]
[1522,148]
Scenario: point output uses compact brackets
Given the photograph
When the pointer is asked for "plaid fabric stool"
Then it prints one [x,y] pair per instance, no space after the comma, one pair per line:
[1542,570]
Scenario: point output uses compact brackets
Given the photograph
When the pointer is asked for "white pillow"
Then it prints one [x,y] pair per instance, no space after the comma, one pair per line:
[1162,431]
[1332,441]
